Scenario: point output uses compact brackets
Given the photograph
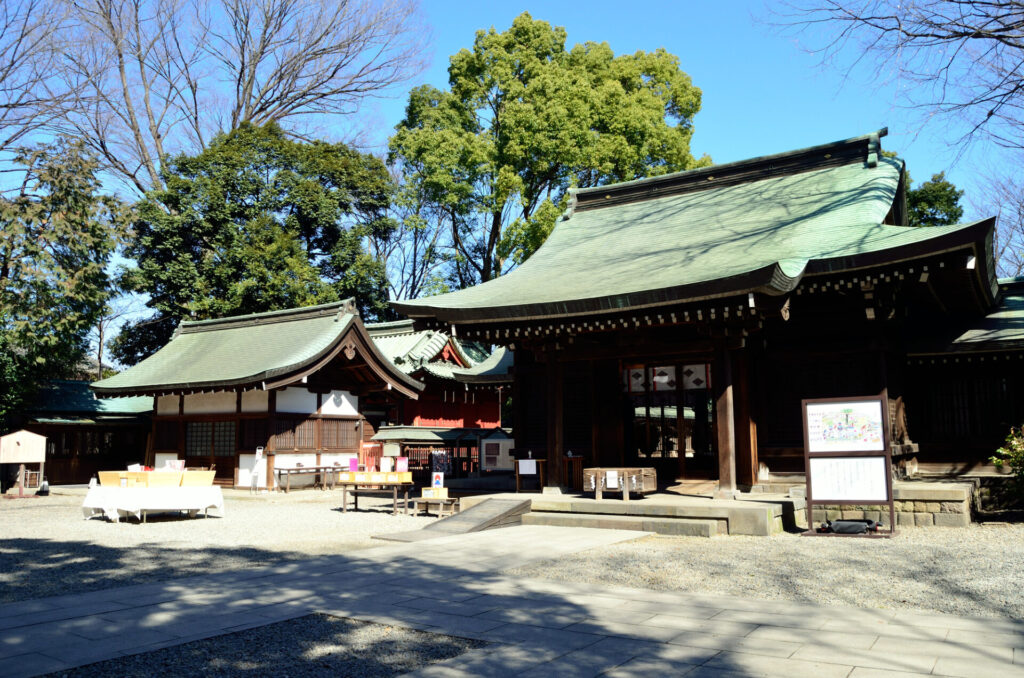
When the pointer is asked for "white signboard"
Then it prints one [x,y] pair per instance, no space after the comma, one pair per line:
[845,427]
[849,479]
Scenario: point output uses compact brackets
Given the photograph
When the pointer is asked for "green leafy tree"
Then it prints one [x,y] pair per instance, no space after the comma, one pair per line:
[256,222]
[59,233]
[935,202]
[524,120]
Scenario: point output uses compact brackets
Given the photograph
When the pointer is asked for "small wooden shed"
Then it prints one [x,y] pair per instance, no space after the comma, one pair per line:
[24,447]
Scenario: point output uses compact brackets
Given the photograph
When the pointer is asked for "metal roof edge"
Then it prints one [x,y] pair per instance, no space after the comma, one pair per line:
[865,148]
[390,328]
[343,307]
[771,279]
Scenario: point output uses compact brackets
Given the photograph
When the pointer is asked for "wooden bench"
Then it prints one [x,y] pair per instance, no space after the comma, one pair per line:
[446,505]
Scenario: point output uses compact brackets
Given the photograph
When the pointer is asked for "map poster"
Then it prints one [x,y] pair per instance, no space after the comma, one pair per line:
[850,426]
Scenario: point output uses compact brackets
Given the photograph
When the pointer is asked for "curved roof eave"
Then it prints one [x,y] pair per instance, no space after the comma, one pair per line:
[386,370]
[774,279]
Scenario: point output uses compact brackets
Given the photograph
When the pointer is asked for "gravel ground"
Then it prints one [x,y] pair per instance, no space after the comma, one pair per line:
[971,571]
[47,549]
[314,645]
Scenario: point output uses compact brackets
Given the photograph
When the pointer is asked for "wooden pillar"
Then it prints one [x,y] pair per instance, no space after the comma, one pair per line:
[725,421]
[554,375]
[746,421]
[271,417]
[181,427]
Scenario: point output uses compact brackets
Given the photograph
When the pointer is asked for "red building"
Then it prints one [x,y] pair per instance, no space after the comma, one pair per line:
[460,404]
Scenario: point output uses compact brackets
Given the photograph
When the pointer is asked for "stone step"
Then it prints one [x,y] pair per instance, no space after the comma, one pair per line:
[685,527]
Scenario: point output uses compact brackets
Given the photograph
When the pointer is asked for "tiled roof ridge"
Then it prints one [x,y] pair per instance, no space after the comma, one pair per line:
[343,307]
[866,148]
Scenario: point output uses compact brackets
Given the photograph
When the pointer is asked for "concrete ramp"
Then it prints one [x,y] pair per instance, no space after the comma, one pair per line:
[487,515]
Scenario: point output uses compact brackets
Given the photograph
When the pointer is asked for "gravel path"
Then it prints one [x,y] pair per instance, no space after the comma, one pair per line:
[47,549]
[972,571]
[314,645]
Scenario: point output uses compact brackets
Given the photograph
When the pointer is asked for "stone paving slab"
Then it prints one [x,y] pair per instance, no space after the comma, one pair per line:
[534,628]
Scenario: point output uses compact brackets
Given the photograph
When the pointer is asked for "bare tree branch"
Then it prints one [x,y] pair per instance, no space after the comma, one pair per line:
[151,78]
[964,59]
[28,100]
[1004,197]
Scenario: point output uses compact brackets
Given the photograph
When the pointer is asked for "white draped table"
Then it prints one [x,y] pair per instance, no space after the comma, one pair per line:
[117,502]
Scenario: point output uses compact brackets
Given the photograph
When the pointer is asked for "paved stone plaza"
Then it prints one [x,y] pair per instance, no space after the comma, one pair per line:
[533,627]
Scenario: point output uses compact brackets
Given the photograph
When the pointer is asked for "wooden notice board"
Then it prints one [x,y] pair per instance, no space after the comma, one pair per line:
[847,457]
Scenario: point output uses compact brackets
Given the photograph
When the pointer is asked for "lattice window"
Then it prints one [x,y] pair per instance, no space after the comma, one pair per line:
[254,433]
[305,434]
[339,433]
[197,438]
[224,439]
[284,434]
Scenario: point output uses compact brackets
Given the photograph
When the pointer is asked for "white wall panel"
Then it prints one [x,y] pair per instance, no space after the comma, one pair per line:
[210,403]
[255,401]
[167,404]
[297,400]
[341,458]
[245,470]
[340,403]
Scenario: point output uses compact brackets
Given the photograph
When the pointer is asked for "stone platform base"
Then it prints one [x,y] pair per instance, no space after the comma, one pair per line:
[916,503]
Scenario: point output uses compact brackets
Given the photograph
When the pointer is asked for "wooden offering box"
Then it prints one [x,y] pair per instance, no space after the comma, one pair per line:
[633,480]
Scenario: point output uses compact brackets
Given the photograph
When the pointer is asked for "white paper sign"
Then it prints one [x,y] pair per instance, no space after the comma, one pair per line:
[611,480]
[527,467]
[849,479]
[845,427]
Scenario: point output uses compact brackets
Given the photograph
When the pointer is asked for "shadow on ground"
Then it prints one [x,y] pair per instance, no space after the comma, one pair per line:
[36,568]
[527,625]
[316,644]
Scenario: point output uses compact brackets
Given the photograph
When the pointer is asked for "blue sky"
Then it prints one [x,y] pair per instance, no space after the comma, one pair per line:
[763,92]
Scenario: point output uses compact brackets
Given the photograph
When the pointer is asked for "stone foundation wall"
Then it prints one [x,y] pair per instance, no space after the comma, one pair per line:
[916,504]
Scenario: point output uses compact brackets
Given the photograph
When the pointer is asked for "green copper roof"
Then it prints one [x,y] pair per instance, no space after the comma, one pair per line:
[65,397]
[495,370]
[431,435]
[404,346]
[415,351]
[249,350]
[753,226]
[1001,329]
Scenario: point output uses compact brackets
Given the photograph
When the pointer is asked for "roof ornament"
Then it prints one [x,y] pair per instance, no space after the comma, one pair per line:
[875,146]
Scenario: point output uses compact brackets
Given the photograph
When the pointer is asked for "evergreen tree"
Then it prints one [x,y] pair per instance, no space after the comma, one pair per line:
[256,222]
[935,202]
[59,233]
[523,120]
